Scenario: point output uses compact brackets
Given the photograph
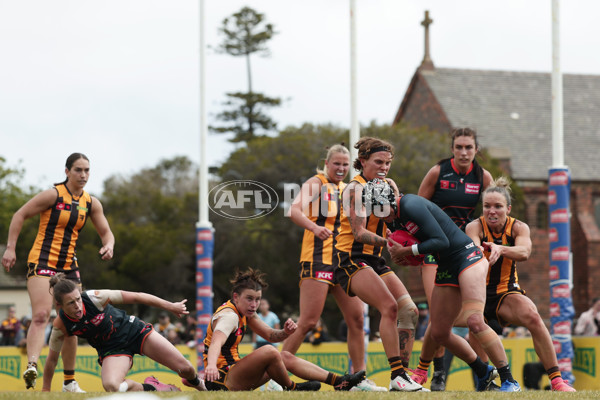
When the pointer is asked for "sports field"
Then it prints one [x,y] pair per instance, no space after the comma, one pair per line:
[305,395]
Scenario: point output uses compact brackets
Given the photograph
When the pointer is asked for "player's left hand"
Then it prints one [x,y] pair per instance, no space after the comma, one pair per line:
[179,308]
[289,326]
[106,252]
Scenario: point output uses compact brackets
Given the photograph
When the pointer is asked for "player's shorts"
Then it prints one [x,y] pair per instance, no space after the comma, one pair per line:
[493,303]
[317,271]
[127,347]
[350,265]
[429,261]
[221,382]
[450,267]
[46,272]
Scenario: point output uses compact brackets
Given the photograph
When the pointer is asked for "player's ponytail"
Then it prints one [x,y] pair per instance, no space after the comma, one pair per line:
[60,285]
[69,164]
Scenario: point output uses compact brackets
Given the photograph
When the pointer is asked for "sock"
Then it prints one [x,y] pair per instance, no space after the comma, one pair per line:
[424,364]
[69,376]
[396,366]
[333,379]
[148,388]
[438,364]
[293,387]
[479,367]
[195,381]
[553,373]
[505,374]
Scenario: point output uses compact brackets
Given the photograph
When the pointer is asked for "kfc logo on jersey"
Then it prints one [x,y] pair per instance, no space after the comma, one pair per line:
[328,276]
[448,185]
[63,206]
[472,188]
[97,319]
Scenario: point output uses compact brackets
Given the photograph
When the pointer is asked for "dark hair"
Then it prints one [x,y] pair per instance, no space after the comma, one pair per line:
[468,132]
[367,146]
[69,164]
[249,279]
[60,285]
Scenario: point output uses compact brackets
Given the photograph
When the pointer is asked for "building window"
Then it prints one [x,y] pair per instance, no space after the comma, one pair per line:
[541,215]
[597,209]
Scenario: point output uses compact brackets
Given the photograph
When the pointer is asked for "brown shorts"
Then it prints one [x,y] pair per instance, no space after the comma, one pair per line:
[350,265]
[317,271]
[493,303]
[46,272]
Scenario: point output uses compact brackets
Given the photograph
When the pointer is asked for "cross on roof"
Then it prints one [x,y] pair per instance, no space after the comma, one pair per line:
[427,63]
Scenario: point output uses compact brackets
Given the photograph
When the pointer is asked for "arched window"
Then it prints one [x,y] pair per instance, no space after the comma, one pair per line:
[541,215]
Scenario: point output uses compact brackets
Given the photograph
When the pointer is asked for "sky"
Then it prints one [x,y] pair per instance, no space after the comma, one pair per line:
[119,79]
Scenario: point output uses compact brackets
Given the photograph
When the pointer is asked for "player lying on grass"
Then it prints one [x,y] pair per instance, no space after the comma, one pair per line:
[226,370]
[115,335]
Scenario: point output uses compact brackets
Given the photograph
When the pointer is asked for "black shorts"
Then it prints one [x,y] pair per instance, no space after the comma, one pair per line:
[350,265]
[128,348]
[449,268]
[429,261]
[46,272]
[493,303]
[219,384]
[317,271]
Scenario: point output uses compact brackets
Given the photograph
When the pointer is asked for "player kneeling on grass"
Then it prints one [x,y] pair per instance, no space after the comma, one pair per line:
[226,370]
[115,335]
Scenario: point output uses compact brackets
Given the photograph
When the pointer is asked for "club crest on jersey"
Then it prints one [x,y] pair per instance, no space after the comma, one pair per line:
[448,185]
[63,206]
[97,319]
[239,332]
[475,254]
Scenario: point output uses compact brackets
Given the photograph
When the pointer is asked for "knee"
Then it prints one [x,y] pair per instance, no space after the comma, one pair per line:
[440,336]
[389,310]
[286,356]
[40,317]
[476,323]
[532,320]
[307,324]
[408,315]
[111,386]
[356,323]
[187,370]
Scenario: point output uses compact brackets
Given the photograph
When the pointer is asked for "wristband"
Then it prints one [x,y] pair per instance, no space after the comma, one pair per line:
[415,249]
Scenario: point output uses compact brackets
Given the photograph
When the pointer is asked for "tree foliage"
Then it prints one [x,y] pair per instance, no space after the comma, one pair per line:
[246,33]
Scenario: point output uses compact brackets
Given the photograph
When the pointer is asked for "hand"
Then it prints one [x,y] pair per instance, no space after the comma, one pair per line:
[106,252]
[322,232]
[179,308]
[211,373]
[8,259]
[289,326]
[397,251]
[495,251]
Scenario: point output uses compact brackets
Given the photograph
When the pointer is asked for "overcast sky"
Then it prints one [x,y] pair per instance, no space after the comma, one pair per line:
[119,80]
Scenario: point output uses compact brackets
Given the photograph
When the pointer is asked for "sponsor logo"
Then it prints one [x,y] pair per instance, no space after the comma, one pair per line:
[562,328]
[82,208]
[561,291]
[554,273]
[564,364]
[553,235]
[204,319]
[443,275]
[239,332]
[242,199]
[470,245]
[551,197]
[448,185]
[475,254]
[585,360]
[559,178]
[204,291]
[560,254]
[199,304]
[327,196]
[199,276]
[204,263]
[557,346]
[559,216]
[46,272]
[97,319]
[199,248]
[411,227]
[325,275]
[554,310]
[204,235]
[472,188]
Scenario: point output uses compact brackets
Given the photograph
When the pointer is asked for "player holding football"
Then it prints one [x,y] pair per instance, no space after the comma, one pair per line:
[506,240]
[362,272]
[461,273]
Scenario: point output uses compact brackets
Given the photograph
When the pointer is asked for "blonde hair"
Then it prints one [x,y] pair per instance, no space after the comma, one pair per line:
[336,148]
[500,185]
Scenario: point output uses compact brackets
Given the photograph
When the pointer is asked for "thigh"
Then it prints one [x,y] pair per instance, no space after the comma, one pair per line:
[472,281]
[513,307]
[428,272]
[313,294]
[115,369]
[249,372]
[394,285]
[351,307]
[159,349]
[39,295]
[370,288]
[445,306]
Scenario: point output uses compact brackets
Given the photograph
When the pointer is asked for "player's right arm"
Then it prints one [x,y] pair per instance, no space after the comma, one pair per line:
[309,194]
[57,338]
[427,188]
[40,202]
[356,212]
[223,324]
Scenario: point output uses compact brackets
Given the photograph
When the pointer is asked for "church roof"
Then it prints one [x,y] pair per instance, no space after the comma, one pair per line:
[512,113]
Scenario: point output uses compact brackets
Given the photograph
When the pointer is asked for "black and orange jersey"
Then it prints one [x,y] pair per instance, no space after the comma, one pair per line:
[229,352]
[323,211]
[345,239]
[502,276]
[54,246]
[457,194]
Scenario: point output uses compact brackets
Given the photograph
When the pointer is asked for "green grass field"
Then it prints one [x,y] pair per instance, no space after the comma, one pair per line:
[529,395]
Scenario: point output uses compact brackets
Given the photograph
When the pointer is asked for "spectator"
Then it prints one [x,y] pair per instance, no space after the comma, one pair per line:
[10,328]
[21,338]
[318,334]
[588,323]
[164,325]
[188,335]
[423,320]
[269,318]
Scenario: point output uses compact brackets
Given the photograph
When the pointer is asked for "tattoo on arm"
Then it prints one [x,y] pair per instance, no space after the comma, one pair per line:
[277,336]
